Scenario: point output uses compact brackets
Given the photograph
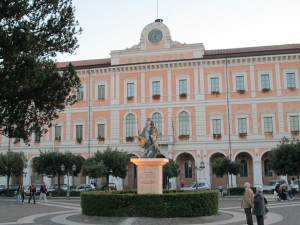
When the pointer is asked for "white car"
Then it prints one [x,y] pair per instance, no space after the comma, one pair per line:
[85,187]
[202,185]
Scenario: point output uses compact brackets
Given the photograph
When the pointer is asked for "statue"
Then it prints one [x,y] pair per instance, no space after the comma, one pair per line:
[148,140]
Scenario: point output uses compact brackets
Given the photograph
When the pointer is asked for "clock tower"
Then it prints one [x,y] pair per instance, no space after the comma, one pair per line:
[156,45]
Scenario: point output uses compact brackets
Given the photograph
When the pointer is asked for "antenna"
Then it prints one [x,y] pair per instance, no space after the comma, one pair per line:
[157,9]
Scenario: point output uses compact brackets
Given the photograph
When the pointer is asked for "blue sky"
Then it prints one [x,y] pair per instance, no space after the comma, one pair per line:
[218,24]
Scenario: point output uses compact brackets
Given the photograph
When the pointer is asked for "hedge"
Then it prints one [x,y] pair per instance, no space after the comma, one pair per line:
[169,204]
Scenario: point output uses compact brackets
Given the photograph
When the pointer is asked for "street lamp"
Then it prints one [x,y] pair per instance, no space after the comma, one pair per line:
[63,168]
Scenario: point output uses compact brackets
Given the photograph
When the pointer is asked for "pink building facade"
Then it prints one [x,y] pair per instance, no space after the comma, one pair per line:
[235,103]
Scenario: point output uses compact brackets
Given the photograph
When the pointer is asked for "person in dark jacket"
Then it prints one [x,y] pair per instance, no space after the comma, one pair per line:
[259,209]
[32,193]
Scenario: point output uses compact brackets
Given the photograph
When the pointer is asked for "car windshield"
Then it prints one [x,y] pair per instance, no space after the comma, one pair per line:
[190,185]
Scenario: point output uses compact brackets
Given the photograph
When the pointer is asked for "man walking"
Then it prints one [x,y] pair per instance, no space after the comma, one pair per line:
[43,193]
[32,193]
[248,202]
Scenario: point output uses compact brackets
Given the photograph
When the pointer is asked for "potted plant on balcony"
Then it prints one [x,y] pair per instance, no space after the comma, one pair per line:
[241,91]
[100,138]
[129,139]
[292,88]
[156,96]
[217,136]
[182,95]
[265,89]
[129,98]
[57,138]
[215,92]
[295,132]
[184,136]
[242,135]
[79,140]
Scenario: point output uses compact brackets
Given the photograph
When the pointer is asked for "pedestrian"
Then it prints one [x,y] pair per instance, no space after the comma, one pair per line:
[289,190]
[18,196]
[259,209]
[293,186]
[43,193]
[182,183]
[247,202]
[22,194]
[32,193]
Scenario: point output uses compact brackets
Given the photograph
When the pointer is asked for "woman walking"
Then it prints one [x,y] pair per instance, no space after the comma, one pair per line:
[259,209]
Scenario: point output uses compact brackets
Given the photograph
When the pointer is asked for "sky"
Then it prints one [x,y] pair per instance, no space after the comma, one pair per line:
[218,24]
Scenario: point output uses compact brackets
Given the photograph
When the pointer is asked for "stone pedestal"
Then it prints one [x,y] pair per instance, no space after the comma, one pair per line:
[150,175]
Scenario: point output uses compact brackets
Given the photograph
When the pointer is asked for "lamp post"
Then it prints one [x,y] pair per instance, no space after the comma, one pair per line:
[63,168]
[200,168]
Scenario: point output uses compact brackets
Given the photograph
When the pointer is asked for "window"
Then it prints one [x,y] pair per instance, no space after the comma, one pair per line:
[157,120]
[267,168]
[216,126]
[155,87]
[57,133]
[130,125]
[244,171]
[242,125]
[214,82]
[101,92]
[188,169]
[79,133]
[268,124]
[130,90]
[184,123]
[79,94]
[265,81]
[290,80]
[37,136]
[183,86]
[294,123]
[240,83]
[101,132]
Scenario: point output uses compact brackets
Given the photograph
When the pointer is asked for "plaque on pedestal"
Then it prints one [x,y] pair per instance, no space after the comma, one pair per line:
[150,175]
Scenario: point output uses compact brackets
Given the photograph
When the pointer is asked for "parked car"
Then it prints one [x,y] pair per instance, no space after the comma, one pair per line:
[85,187]
[201,185]
[111,186]
[2,189]
[54,188]
[270,187]
[296,186]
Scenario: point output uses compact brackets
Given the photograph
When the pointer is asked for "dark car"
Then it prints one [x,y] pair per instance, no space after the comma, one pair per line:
[54,188]
[111,186]
[2,189]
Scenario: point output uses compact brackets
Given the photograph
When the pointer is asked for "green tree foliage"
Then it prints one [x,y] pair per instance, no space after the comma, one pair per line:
[32,90]
[222,166]
[171,169]
[285,157]
[12,164]
[49,163]
[109,162]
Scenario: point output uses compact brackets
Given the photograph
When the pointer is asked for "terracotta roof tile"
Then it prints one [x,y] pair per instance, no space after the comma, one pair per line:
[86,63]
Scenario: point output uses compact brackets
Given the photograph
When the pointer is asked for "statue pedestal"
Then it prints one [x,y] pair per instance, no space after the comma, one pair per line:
[150,175]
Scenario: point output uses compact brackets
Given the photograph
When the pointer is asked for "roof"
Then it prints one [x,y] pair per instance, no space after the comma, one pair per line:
[209,54]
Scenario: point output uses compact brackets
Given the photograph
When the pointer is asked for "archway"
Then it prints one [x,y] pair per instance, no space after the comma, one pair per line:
[217,180]
[267,173]
[246,174]
[187,173]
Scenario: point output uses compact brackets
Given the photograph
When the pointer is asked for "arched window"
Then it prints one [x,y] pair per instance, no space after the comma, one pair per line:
[267,168]
[157,120]
[130,125]
[244,171]
[188,168]
[184,123]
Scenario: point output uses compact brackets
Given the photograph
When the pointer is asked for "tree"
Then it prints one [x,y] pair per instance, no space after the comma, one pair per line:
[12,164]
[32,90]
[285,157]
[171,169]
[49,163]
[224,166]
[109,162]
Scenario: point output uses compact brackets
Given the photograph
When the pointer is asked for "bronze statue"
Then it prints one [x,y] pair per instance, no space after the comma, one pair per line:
[148,140]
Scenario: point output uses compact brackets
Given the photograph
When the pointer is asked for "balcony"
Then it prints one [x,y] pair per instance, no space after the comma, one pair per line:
[165,139]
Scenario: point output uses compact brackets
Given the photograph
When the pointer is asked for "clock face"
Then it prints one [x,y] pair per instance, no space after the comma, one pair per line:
[155,36]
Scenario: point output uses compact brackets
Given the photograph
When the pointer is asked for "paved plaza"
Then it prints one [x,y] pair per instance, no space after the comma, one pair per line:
[68,212]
